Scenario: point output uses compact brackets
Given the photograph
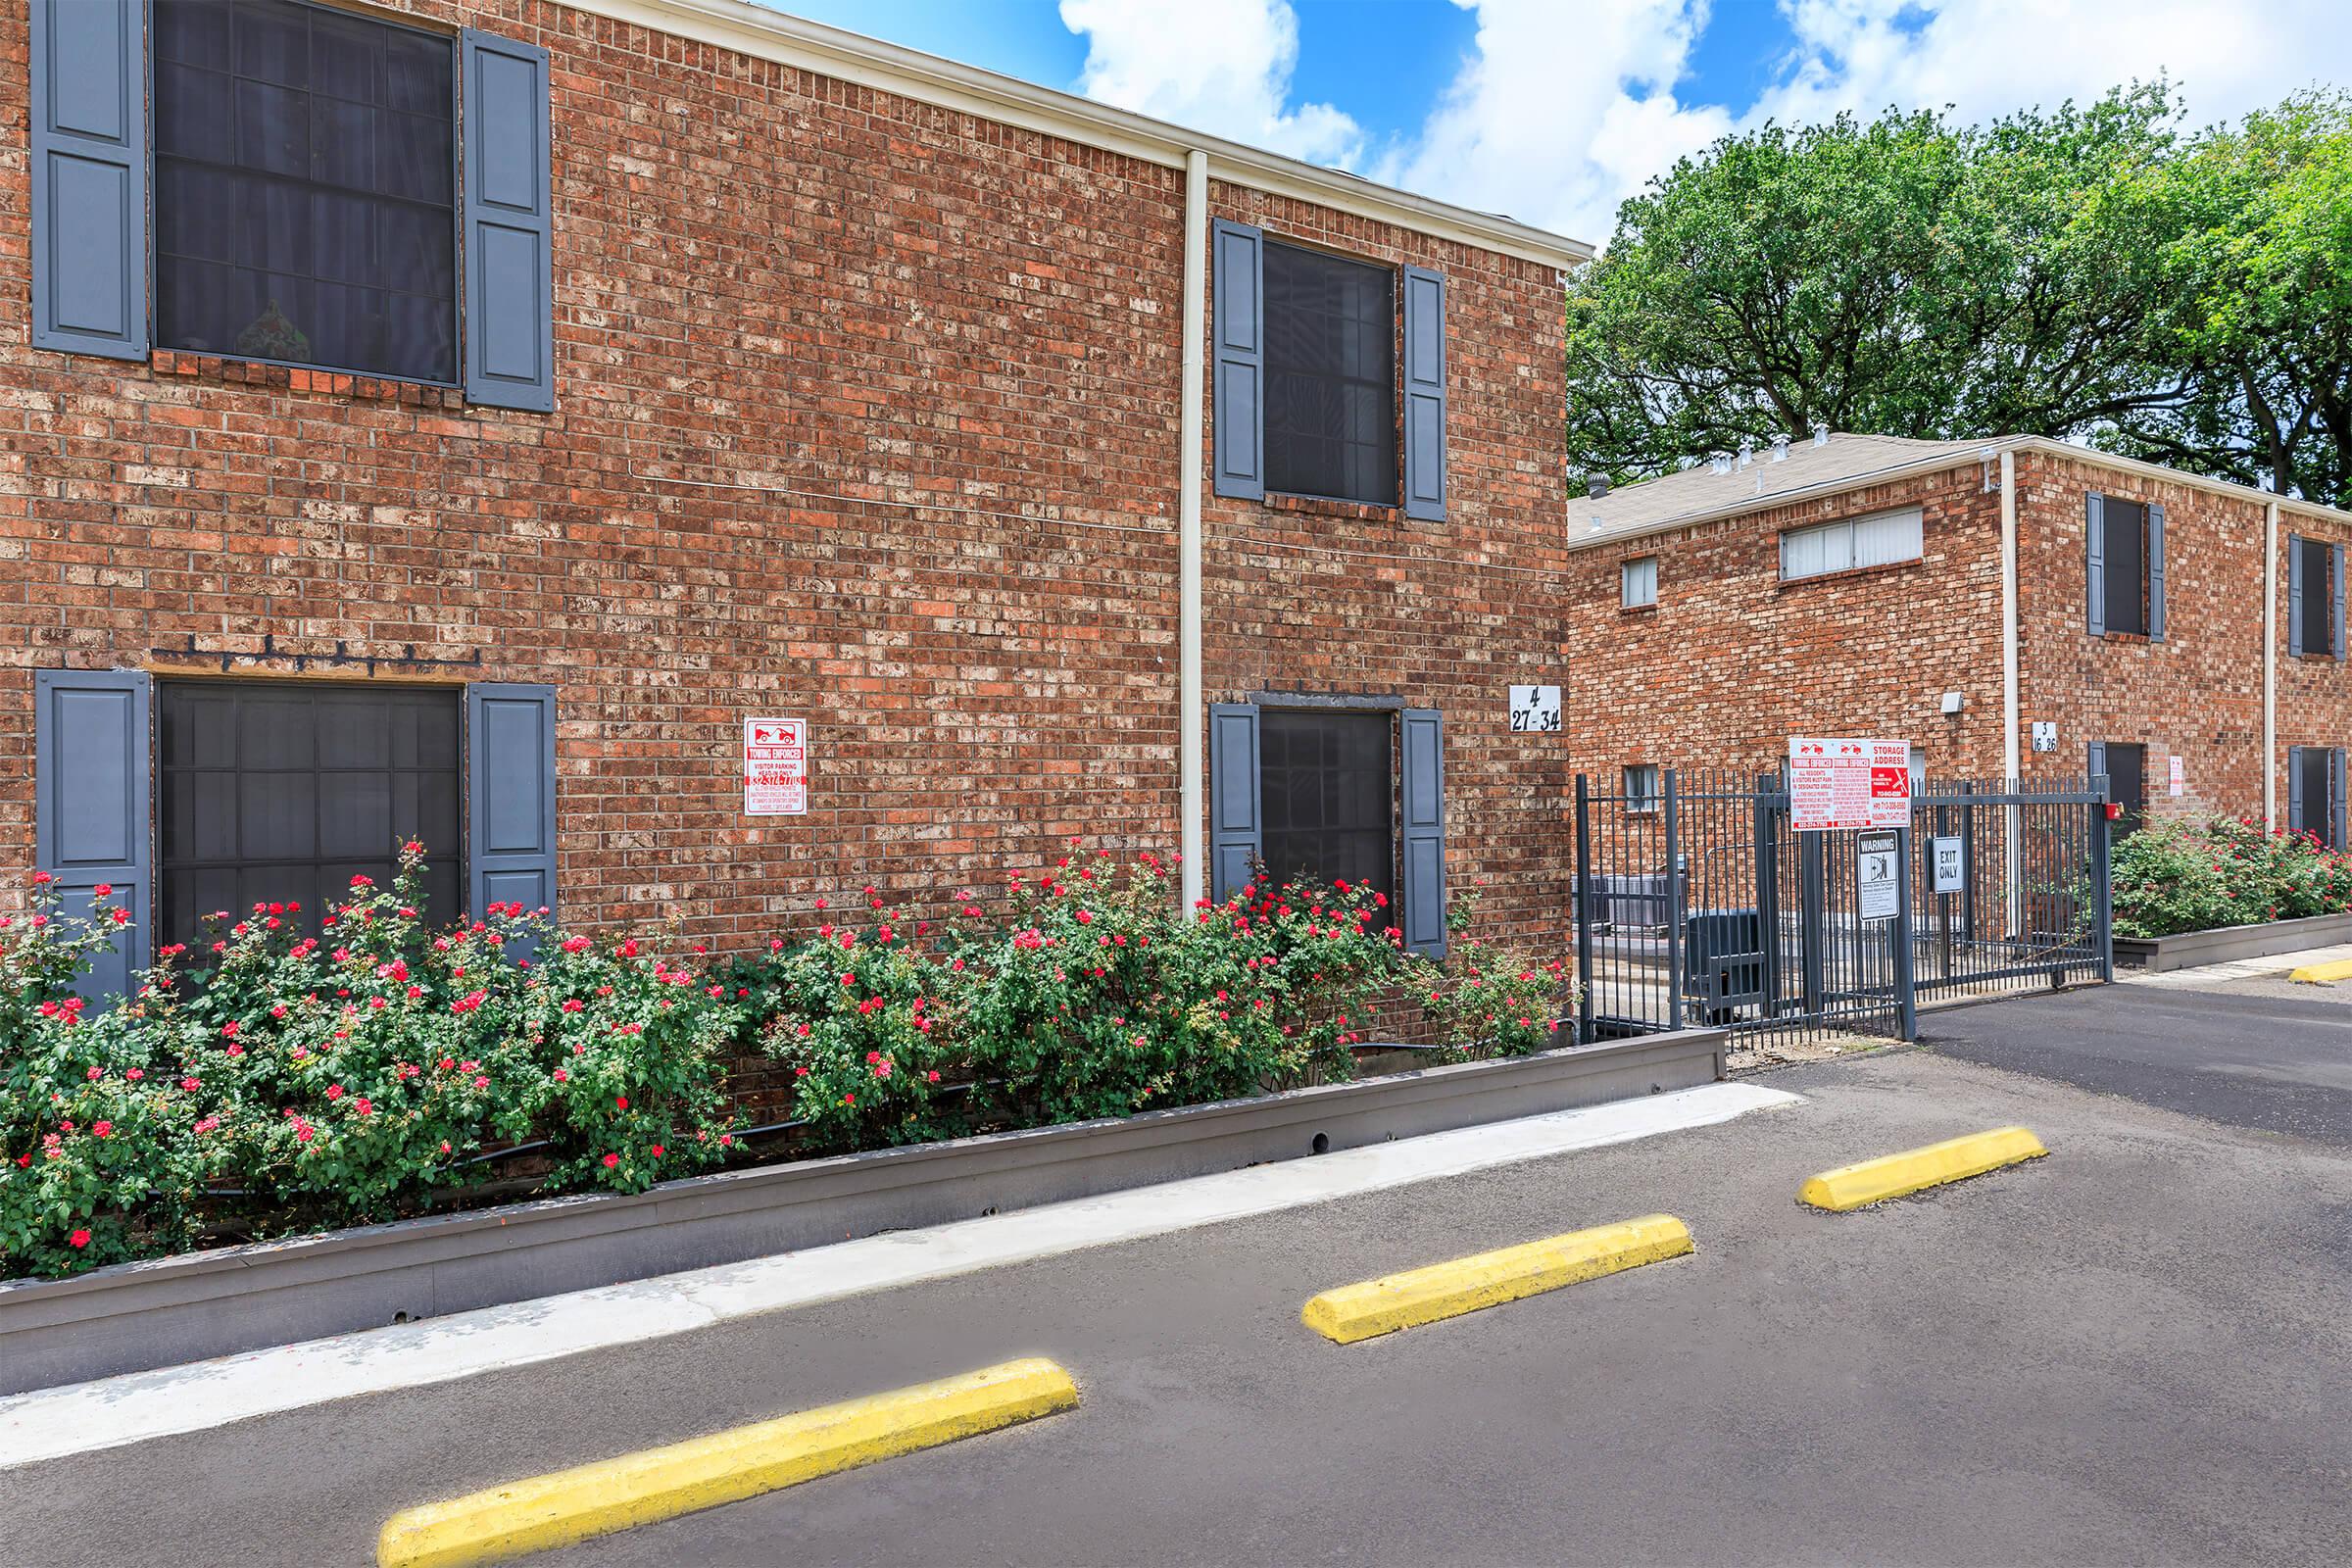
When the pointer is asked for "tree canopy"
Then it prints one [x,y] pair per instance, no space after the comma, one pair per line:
[2090,272]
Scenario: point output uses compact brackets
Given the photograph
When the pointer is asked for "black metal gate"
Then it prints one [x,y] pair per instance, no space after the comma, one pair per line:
[1702,904]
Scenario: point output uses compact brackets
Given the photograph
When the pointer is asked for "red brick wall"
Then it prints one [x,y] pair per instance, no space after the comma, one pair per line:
[2197,695]
[1732,661]
[867,412]
[1333,599]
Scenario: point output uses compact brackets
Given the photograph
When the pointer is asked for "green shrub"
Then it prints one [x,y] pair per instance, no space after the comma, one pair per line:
[276,1079]
[2194,874]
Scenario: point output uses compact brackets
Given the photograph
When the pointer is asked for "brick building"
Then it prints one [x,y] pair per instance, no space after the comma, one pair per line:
[2004,604]
[458,416]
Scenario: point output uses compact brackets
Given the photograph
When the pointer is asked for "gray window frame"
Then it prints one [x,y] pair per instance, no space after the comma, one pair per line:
[1395,496]
[457,215]
[1648,800]
[1625,582]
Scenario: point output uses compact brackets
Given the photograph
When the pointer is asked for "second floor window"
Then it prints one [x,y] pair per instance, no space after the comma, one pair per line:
[2126,567]
[1640,583]
[305,188]
[1850,543]
[2316,597]
[1331,376]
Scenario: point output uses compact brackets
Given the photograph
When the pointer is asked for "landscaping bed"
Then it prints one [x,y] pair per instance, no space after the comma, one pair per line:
[290,1076]
[2194,891]
[199,1305]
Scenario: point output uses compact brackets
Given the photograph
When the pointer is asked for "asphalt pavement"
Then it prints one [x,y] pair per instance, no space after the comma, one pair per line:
[2241,1054]
[2134,1351]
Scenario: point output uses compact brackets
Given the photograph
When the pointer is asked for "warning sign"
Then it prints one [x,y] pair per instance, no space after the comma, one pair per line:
[1878,869]
[775,766]
[1848,783]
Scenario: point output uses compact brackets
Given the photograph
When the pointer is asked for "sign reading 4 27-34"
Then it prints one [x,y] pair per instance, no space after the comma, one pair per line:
[1845,782]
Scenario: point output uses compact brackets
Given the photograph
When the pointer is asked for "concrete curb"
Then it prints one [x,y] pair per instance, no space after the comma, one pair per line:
[2230,942]
[547,1511]
[1873,1181]
[1379,1306]
[134,1316]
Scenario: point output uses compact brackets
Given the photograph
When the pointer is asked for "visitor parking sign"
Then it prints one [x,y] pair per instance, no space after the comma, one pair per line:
[775,766]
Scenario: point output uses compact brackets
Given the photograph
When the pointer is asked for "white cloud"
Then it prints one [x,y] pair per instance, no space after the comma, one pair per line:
[1561,109]
[1219,66]
[1987,57]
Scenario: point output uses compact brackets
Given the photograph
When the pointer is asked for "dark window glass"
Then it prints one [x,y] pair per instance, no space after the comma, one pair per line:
[2317,816]
[2127,783]
[282,792]
[2316,632]
[1330,383]
[305,188]
[2126,567]
[1327,785]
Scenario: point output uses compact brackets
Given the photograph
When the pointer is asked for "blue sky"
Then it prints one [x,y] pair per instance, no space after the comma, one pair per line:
[1556,110]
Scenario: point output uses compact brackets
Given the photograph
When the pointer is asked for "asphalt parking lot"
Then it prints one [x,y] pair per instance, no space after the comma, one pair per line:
[2134,1351]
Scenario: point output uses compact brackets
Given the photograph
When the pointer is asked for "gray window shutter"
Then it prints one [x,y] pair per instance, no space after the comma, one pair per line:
[509,206]
[1238,337]
[92,763]
[2094,562]
[89,177]
[2155,574]
[510,796]
[2336,599]
[2294,593]
[2337,797]
[1421,755]
[2295,789]
[2095,763]
[1236,822]
[1424,395]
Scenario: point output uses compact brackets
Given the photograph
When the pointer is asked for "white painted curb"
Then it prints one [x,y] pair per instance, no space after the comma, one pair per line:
[110,1412]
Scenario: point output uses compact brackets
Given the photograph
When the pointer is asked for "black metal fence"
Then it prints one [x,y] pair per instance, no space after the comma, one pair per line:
[1703,904]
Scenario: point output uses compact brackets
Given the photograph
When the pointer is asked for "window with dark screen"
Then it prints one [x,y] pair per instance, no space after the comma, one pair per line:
[283,791]
[2315,631]
[1326,781]
[2126,567]
[1331,376]
[2127,783]
[305,187]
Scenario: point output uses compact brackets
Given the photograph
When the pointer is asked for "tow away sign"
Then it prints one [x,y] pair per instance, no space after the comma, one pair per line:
[1848,783]
[775,766]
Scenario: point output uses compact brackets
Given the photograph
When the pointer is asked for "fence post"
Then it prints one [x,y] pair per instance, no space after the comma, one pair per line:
[1906,986]
[1812,883]
[1584,910]
[1674,905]
[1767,890]
[2102,891]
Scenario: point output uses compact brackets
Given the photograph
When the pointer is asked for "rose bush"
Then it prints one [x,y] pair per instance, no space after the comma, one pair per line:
[288,1074]
[2193,875]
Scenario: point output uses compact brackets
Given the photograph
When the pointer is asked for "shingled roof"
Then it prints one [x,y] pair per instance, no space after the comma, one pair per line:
[1841,459]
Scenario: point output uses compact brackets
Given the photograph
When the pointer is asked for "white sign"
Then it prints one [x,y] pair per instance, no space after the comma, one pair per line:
[2045,734]
[1877,860]
[775,766]
[1841,783]
[1949,863]
[1534,709]
[2175,776]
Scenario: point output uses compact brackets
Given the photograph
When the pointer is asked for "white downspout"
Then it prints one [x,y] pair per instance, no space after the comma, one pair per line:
[2270,666]
[1191,718]
[2012,765]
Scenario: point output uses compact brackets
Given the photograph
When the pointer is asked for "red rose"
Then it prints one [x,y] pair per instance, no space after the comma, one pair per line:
[79,1238]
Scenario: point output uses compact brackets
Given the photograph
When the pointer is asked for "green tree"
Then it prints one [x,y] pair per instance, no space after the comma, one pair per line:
[2086,272]
[2250,228]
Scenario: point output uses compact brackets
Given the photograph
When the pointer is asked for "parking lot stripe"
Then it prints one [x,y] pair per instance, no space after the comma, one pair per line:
[547,1511]
[1379,1306]
[1873,1181]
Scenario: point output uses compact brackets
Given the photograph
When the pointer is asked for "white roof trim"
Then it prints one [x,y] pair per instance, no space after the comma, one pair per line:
[1580,540]
[767,35]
